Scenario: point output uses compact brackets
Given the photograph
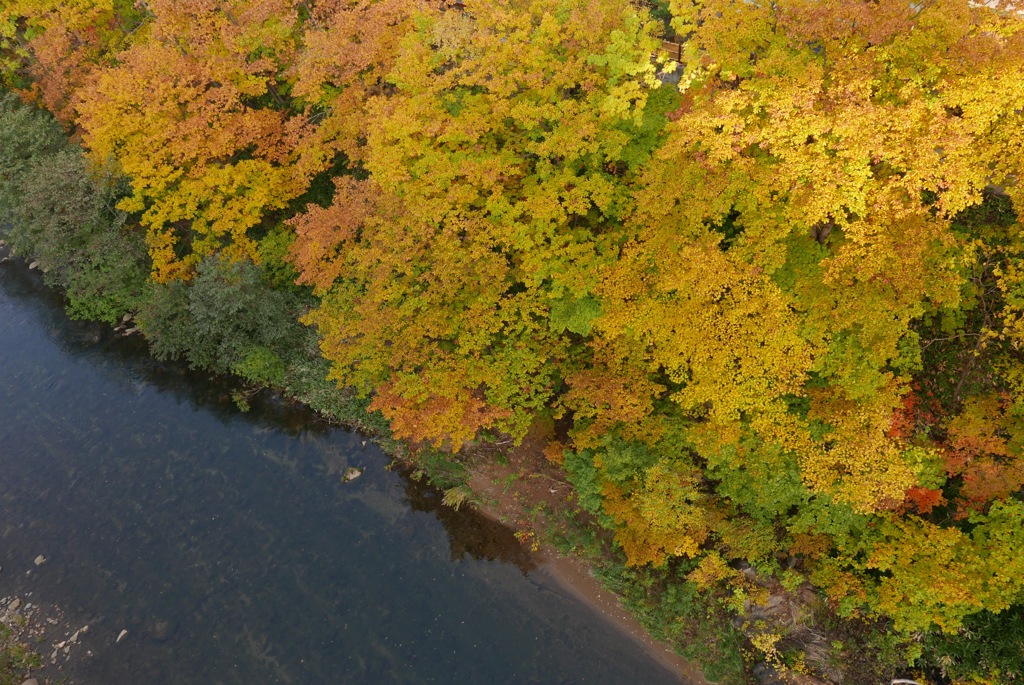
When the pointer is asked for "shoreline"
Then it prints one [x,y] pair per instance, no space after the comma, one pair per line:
[508,490]
[570,575]
[574,577]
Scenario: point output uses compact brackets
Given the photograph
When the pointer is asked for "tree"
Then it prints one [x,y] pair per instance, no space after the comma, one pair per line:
[348,50]
[52,48]
[60,213]
[500,167]
[802,172]
[195,117]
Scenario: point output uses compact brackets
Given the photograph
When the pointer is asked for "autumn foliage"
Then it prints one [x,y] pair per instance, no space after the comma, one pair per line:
[776,289]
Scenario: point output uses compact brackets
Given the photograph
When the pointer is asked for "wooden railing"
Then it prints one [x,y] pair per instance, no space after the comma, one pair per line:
[674,50]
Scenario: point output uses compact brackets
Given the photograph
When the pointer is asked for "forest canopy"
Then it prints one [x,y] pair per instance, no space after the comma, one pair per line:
[773,292]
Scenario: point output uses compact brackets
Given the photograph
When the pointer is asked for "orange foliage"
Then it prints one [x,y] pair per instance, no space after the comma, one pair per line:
[925,499]
[322,234]
[450,419]
[979,452]
[612,393]
[347,51]
[65,42]
[915,416]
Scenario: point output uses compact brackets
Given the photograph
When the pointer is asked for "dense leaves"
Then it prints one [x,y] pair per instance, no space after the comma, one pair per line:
[227,318]
[775,292]
[500,166]
[63,215]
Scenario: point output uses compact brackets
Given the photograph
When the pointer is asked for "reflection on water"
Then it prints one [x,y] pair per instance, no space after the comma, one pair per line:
[228,547]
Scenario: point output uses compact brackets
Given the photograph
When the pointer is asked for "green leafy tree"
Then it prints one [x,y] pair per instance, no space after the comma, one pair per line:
[228,319]
[62,215]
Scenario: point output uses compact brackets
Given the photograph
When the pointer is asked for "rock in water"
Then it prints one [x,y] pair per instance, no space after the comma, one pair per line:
[161,630]
[40,560]
[351,473]
[34,265]
[121,636]
[31,681]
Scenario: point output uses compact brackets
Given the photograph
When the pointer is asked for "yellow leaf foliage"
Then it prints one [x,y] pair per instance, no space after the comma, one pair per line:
[499,172]
[662,519]
[178,116]
[940,575]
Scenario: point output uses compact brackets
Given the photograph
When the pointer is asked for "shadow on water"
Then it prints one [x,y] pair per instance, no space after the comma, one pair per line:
[229,548]
[469,533]
[199,389]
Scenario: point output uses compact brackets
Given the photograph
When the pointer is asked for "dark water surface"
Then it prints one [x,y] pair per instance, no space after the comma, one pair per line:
[229,549]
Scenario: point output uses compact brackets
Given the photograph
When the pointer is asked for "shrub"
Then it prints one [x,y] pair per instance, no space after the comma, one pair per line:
[61,214]
[227,319]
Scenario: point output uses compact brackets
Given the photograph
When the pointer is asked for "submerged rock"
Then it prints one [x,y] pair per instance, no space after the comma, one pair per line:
[161,630]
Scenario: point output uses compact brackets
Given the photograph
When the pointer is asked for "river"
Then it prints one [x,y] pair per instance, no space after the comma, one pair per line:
[227,546]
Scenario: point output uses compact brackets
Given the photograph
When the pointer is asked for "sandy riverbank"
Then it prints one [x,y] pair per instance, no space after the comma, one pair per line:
[508,486]
[574,578]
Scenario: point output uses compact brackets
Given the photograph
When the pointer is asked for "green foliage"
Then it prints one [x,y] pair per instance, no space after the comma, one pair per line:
[617,461]
[232,318]
[675,610]
[988,646]
[61,214]
[624,462]
[766,489]
[26,134]
[226,319]
[273,255]
[67,222]
[586,482]
[261,365]
[166,320]
[574,314]
[442,471]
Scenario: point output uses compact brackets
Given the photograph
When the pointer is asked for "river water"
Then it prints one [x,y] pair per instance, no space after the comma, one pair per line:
[227,546]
